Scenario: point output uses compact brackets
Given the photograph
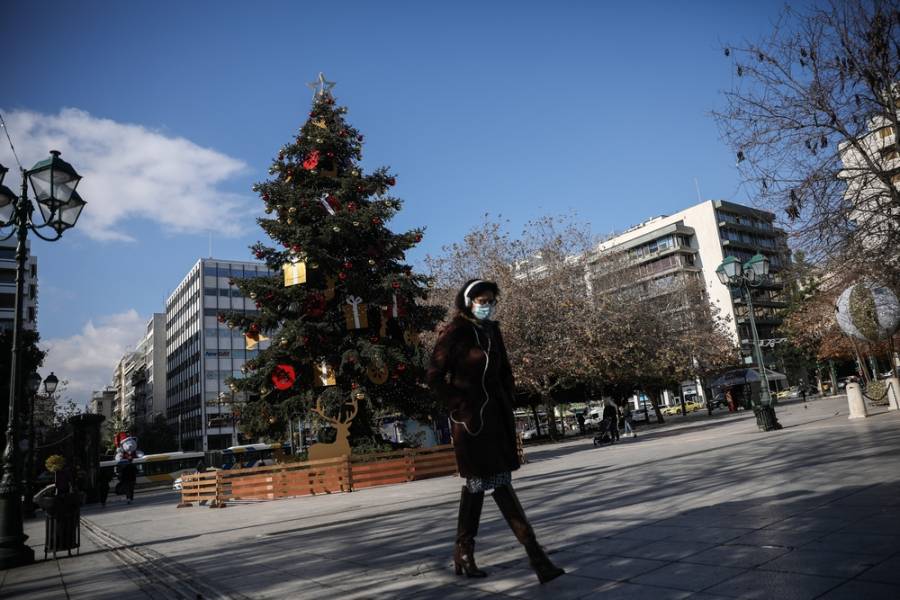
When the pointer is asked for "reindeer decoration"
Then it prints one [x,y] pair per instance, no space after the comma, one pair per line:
[340,446]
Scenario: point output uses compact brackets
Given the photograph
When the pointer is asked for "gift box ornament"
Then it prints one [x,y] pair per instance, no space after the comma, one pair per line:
[252,339]
[394,310]
[355,313]
[294,272]
[324,375]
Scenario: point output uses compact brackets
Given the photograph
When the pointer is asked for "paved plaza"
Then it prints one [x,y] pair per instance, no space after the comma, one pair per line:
[703,509]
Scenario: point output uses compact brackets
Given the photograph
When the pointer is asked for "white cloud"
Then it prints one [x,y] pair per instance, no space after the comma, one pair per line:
[131,172]
[87,359]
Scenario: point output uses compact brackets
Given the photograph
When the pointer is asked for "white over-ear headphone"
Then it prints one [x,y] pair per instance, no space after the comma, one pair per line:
[466,299]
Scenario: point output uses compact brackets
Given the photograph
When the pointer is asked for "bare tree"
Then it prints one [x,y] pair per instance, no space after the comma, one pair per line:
[812,117]
[544,309]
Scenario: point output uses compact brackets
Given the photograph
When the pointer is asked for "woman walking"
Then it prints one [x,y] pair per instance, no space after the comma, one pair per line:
[470,372]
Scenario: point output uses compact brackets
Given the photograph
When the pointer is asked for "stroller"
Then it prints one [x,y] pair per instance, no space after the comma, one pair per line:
[604,436]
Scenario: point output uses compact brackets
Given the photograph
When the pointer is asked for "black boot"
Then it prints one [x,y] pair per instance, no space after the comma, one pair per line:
[466,529]
[506,500]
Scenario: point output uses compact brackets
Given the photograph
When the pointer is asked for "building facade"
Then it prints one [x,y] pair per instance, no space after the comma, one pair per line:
[201,353]
[8,286]
[150,381]
[692,243]
[103,402]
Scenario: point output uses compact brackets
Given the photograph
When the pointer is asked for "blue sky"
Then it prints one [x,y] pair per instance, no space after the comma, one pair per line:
[171,110]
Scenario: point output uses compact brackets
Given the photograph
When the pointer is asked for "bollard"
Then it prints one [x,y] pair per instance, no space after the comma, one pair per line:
[893,384]
[855,401]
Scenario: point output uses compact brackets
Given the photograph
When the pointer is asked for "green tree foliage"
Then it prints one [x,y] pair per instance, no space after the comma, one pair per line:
[33,358]
[331,216]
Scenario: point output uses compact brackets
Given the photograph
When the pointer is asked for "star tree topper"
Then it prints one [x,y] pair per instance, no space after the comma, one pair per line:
[320,86]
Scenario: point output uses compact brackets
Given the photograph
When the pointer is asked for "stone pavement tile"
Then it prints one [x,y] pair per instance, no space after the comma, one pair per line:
[857,543]
[687,576]
[771,586]
[884,572]
[502,580]
[883,524]
[666,550]
[606,546]
[566,587]
[631,591]
[403,586]
[609,568]
[867,590]
[805,523]
[648,532]
[38,581]
[709,535]
[740,557]
[450,593]
[778,537]
[820,562]
[272,585]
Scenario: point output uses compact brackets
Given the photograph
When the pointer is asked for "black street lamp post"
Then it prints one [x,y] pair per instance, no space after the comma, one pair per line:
[34,385]
[751,274]
[53,181]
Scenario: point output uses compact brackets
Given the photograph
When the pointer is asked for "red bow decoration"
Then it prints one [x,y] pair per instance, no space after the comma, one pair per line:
[312,161]
[283,377]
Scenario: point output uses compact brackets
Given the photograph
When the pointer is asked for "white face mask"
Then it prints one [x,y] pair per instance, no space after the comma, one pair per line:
[483,311]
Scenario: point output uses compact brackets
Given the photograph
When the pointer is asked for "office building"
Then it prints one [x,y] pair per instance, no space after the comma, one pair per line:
[201,353]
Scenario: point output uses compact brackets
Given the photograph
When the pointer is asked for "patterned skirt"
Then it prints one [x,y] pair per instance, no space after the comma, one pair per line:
[484,484]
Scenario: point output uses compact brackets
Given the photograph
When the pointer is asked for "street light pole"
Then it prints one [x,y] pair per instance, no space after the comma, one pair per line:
[745,276]
[53,181]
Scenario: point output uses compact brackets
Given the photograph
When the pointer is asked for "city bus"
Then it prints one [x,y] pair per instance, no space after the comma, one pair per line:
[156,469]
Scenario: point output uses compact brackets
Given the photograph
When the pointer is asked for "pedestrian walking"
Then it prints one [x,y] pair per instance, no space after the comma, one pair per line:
[471,373]
[128,477]
[627,419]
[611,417]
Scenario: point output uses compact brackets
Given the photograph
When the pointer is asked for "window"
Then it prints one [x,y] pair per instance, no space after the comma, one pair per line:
[31,314]
[32,291]
[33,270]
[886,132]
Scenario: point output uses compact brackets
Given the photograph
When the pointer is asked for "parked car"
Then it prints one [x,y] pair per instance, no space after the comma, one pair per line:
[529,434]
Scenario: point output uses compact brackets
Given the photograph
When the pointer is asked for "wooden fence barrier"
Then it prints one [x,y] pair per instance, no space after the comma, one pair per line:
[343,474]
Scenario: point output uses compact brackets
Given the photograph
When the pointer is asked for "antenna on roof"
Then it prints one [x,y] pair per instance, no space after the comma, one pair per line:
[697,185]
[210,243]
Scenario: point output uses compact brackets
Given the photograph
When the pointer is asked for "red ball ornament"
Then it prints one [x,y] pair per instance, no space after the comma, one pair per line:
[296,248]
[265,196]
[259,254]
[353,386]
[351,206]
[342,276]
[359,138]
[348,265]
[391,181]
[283,377]
[374,339]
[395,285]
[254,328]
[220,318]
[376,220]
[418,237]
[401,367]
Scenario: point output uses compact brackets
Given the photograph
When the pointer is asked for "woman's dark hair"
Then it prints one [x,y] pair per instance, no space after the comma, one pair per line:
[479,288]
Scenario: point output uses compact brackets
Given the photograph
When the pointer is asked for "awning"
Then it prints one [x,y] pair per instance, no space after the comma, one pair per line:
[744,376]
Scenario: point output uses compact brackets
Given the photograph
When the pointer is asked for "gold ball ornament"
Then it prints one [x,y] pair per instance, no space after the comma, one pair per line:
[356,223]
[355,173]
[253,295]
[372,261]
[336,229]
[290,221]
[377,373]
[318,140]
[284,342]
[314,265]
[292,209]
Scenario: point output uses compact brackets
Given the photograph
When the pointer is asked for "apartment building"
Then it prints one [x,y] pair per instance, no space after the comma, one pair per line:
[692,243]
[8,286]
[202,353]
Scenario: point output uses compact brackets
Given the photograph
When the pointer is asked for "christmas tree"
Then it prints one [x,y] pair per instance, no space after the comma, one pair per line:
[343,311]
